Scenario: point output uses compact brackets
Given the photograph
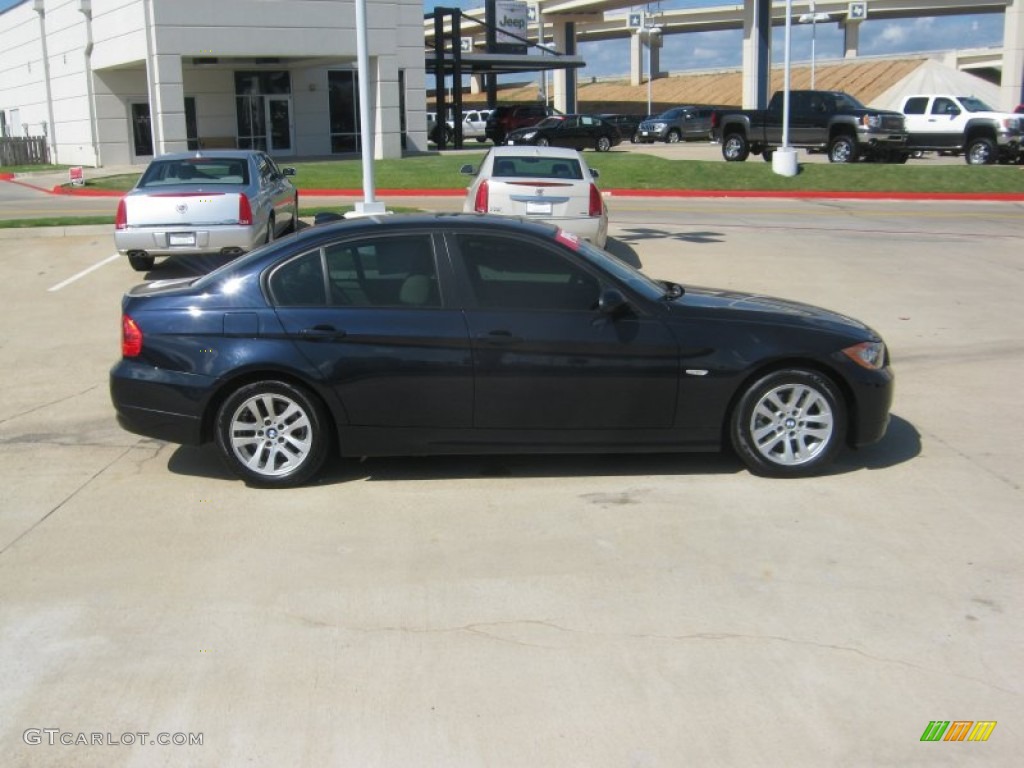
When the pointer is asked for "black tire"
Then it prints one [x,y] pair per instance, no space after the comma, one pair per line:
[788,423]
[843,149]
[293,225]
[735,148]
[673,137]
[271,229]
[635,139]
[980,151]
[141,263]
[603,144]
[273,434]
[767,154]
[542,142]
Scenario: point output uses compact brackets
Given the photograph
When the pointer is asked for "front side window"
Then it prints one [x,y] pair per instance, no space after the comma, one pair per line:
[915,106]
[507,273]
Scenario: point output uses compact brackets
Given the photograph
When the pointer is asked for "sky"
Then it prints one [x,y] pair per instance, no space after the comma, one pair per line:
[717,50]
[721,50]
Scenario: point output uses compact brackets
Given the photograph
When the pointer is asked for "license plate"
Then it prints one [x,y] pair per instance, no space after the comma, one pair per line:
[544,208]
[181,238]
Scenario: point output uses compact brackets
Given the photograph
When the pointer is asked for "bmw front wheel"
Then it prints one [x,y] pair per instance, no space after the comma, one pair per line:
[789,423]
[272,434]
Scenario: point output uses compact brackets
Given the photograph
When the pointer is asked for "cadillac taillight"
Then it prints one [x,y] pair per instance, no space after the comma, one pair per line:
[596,203]
[481,201]
[244,210]
[121,222]
[131,337]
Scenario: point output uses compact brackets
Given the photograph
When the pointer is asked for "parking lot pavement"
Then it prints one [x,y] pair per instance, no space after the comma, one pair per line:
[534,611]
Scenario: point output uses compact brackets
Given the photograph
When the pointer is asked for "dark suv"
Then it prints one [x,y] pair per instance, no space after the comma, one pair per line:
[508,118]
[678,124]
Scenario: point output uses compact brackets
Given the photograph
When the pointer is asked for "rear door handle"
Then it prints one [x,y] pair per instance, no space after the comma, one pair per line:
[322,333]
[499,338]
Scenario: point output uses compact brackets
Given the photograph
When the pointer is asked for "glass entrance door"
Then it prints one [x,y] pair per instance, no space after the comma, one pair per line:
[279,124]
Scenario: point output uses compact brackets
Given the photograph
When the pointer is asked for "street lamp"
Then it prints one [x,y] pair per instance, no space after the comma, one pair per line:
[650,33]
[813,18]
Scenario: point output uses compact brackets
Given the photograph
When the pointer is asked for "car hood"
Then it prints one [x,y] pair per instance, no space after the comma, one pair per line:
[768,309]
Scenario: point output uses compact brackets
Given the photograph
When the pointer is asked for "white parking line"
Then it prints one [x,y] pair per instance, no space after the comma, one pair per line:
[84,272]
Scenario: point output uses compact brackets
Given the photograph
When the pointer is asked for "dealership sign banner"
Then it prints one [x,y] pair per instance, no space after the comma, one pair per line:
[509,17]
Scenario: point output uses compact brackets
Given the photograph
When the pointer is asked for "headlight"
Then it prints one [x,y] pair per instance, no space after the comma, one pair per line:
[659,126]
[872,121]
[528,135]
[867,354]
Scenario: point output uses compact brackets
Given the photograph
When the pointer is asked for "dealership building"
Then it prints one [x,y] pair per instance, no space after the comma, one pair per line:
[116,81]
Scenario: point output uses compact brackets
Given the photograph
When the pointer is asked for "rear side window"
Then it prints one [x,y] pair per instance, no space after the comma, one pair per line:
[299,282]
[915,106]
[397,271]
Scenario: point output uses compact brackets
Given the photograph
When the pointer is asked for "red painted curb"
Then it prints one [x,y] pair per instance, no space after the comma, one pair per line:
[655,193]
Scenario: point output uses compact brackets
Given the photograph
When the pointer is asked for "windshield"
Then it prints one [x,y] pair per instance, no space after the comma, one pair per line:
[972,104]
[549,122]
[846,101]
[636,280]
[196,170]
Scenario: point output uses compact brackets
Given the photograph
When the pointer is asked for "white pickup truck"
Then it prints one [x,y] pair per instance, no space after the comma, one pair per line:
[474,122]
[942,122]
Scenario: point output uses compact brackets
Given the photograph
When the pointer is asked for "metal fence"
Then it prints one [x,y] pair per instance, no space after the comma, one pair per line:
[30,150]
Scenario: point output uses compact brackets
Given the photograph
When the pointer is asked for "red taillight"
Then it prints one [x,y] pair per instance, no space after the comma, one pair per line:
[131,337]
[481,201]
[121,222]
[596,202]
[244,210]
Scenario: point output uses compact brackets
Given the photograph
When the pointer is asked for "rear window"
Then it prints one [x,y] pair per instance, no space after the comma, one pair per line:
[537,168]
[196,170]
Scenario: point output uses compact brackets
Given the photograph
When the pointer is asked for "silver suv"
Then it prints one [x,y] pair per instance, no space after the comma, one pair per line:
[678,124]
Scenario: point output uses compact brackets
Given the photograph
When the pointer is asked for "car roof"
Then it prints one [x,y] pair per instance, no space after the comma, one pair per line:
[505,150]
[234,154]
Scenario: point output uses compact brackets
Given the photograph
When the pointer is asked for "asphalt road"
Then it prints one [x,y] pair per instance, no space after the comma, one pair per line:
[592,611]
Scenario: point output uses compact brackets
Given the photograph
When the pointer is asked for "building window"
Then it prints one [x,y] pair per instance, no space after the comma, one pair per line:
[142,130]
[343,86]
[191,129]
[251,92]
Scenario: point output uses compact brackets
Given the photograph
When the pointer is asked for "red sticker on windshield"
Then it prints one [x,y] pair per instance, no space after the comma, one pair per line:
[568,238]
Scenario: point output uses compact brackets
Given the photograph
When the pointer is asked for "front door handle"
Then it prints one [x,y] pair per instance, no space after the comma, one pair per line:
[499,338]
[322,333]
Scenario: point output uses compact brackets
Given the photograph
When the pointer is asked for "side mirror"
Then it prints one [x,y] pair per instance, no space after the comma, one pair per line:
[611,302]
[467,170]
[595,173]
[288,171]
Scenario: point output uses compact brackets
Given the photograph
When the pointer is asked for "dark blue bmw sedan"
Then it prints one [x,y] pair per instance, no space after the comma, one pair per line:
[429,334]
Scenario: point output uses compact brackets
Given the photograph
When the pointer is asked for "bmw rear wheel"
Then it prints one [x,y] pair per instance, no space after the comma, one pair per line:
[673,137]
[789,423]
[272,434]
[603,144]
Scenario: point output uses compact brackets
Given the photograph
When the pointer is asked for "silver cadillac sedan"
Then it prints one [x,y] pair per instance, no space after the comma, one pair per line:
[217,201]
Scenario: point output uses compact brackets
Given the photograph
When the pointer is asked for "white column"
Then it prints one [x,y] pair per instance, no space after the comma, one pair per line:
[167,103]
[756,53]
[636,59]
[559,85]
[851,39]
[1012,90]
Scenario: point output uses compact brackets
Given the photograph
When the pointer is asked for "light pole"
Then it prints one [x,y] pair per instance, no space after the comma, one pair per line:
[813,18]
[650,33]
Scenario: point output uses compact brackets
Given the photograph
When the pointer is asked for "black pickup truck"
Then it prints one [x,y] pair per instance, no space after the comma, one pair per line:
[824,120]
